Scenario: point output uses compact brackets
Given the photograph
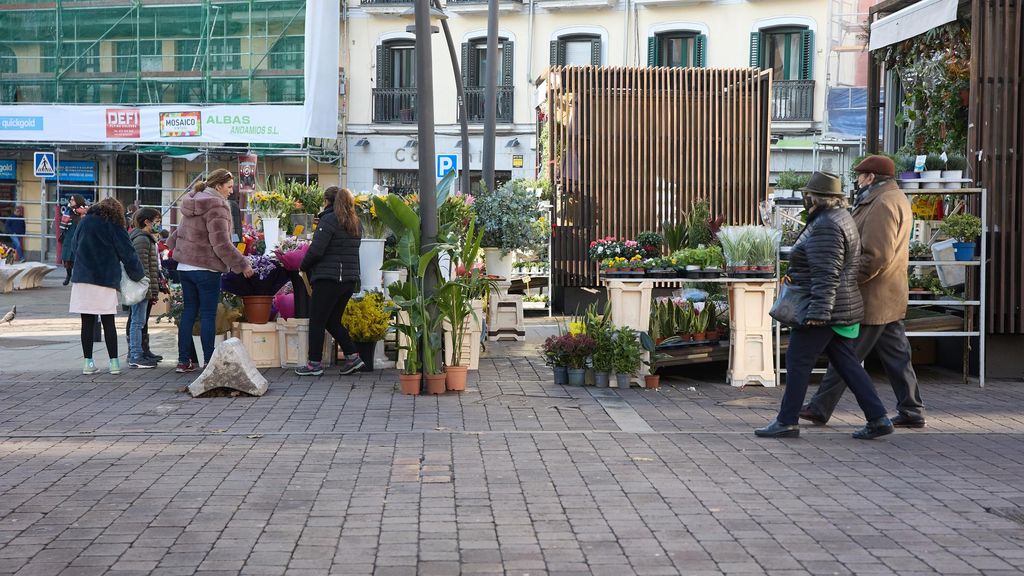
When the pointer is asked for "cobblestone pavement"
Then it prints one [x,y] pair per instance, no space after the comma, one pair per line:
[128,475]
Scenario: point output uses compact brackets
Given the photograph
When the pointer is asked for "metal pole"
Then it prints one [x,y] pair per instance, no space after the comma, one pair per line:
[460,94]
[491,93]
[425,127]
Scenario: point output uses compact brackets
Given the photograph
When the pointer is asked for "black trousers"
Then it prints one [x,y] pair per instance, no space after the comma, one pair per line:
[805,346]
[889,343]
[325,310]
[89,334]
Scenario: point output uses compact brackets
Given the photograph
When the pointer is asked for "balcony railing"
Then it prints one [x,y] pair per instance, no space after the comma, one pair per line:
[394,105]
[475,104]
[793,101]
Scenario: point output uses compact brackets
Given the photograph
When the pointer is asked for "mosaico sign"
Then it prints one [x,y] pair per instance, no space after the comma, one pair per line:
[283,124]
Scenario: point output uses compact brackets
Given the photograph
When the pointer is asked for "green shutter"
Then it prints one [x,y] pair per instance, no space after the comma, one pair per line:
[383,67]
[700,56]
[555,61]
[755,49]
[507,63]
[466,58]
[806,55]
[595,52]
[652,51]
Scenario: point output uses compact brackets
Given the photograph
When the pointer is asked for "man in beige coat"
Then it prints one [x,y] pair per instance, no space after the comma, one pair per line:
[884,219]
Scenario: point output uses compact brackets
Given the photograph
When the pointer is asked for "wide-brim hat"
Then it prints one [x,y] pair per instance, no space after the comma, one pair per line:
[877,164]
[824,184]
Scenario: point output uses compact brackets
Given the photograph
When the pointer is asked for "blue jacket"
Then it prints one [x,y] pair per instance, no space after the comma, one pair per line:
[100,246]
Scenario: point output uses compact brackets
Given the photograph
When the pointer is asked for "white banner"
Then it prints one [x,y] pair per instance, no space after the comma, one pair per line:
[248,123]
[321,70]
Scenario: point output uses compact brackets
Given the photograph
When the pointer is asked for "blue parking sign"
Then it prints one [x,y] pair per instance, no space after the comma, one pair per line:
[446,163]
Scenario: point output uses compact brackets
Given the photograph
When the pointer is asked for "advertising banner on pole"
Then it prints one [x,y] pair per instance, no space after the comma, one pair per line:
[246,174]
[263,123]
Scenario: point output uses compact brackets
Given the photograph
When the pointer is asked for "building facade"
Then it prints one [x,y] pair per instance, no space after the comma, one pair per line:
[116,61]
[786,36]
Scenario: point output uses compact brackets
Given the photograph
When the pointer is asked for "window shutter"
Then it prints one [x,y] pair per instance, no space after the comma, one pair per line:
[595,52]
[806,55]
[755,49]
[700,56]
[554,53]
[652,51]
[507,63]
[466,63]
[383,67]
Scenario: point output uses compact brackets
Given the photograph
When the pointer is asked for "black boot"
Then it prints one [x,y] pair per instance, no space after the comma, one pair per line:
[874,429]
[67,277]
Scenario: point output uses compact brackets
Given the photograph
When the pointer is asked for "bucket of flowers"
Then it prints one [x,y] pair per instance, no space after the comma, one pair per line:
[257,293]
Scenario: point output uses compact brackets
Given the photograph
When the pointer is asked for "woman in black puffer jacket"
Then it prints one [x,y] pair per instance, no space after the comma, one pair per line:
[824,262]
[332,264]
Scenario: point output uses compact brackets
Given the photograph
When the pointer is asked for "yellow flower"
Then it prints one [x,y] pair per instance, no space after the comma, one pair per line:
[577,328]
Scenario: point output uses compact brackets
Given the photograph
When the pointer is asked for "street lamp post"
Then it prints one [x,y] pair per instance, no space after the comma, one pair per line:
[460,94]
[491,93]
[425,128]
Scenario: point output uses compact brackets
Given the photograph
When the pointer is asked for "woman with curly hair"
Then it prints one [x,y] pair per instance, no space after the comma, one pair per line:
[101,245]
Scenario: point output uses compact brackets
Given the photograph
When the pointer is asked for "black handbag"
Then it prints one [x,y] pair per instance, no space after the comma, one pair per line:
[790,308]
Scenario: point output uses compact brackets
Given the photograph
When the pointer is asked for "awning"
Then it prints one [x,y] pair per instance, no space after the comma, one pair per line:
[911,21]
[172,151]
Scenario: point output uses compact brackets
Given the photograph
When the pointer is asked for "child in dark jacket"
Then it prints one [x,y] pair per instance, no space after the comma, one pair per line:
[143,237]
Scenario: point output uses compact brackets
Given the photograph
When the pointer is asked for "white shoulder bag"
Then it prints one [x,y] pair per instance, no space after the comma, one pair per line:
[132,292]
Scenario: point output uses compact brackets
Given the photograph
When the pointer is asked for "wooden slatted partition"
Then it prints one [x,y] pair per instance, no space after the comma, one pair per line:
[995,143]
[634,147]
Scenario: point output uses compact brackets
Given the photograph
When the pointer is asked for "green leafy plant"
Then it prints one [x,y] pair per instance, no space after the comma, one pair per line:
[962,227]
[454,298]
[604,355]
[905,163]
[956,162]
[650,243]
[698,224]
[790,180]
[920,250]
[934,162]
[507,216]
[675,235]
[628,353]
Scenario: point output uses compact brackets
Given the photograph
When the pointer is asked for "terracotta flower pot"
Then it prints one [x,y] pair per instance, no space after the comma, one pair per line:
[410,383]
[457,376]
[436,383]
[711,335]
[257,308]
[651,381]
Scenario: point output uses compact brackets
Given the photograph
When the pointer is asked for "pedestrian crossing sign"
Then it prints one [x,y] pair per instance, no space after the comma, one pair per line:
[44,165]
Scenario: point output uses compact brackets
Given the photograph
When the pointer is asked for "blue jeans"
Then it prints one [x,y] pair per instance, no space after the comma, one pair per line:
[200,291]
[137,318]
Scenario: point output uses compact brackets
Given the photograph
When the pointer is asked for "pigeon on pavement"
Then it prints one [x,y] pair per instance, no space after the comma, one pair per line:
[9,317]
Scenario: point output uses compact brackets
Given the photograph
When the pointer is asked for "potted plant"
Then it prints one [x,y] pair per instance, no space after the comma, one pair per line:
[555,356]
[789,184]
[954,172]
[919,287]
[306,202]
[371,246]
[674,235]
[578,348]
[650,243]
[933,166]
[920,251]
[764,249]
[660,267]
[367,320]
[454,299]
[736,242]
[627,355]
[964,228]
[257,293]
[506,216]
[270,207]
[711,262]
[604,355]
[907,175]
[651,380]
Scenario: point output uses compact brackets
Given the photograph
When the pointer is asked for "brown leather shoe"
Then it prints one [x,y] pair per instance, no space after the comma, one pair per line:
[904,421]
[812,415]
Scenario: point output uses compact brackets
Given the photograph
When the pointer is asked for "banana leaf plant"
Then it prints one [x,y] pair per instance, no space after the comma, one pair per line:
[420,325]
[454,298]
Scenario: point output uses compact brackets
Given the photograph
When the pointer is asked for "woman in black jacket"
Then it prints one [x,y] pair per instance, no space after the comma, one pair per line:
[332,264]
[824,262]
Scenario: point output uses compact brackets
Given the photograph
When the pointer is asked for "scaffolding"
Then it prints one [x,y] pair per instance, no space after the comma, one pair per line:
[154,52]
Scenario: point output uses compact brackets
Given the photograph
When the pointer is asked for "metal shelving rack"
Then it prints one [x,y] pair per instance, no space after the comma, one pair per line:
[972,298]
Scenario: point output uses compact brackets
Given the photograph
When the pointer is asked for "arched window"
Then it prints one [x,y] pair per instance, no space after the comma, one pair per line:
[787,50]
[576,50]
[677,49]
